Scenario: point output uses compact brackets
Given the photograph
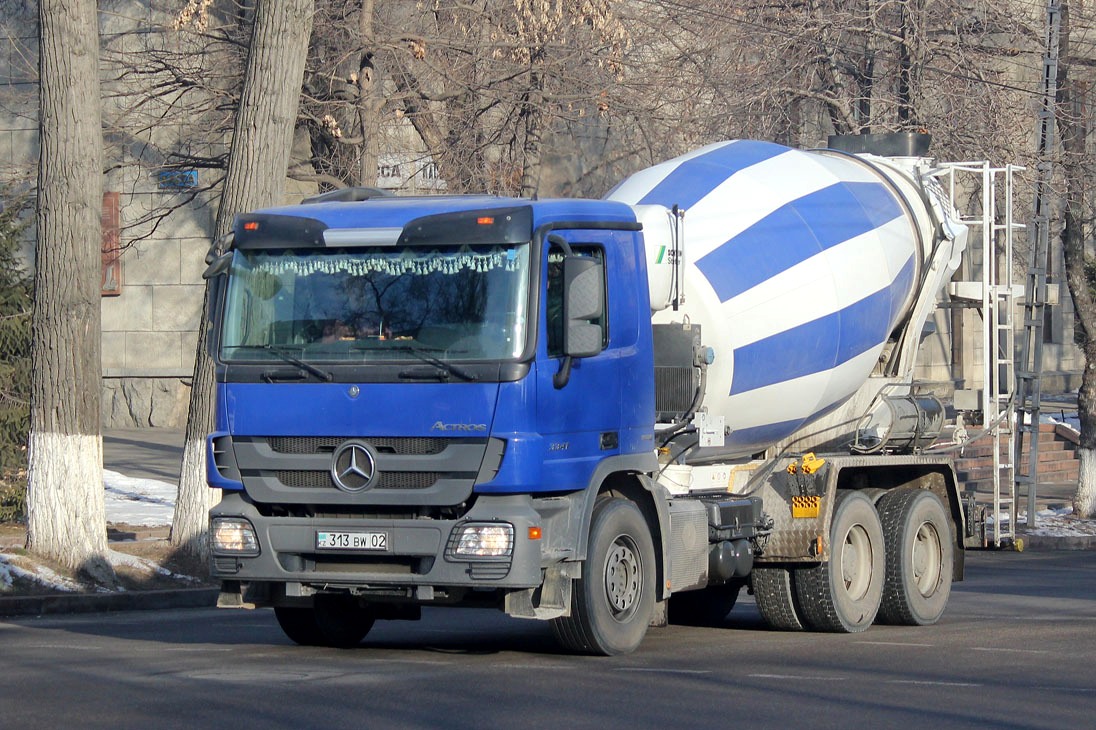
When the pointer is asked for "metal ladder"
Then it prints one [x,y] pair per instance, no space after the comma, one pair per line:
[1028,382]
[995,293]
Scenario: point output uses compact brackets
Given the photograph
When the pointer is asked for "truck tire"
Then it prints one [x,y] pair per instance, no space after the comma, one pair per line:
[332,620]
[843,594]
[704,607]
[774,593]
[920,557]
[613,602]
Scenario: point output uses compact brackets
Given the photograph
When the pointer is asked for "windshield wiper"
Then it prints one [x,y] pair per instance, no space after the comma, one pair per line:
[284,356]
[445,369]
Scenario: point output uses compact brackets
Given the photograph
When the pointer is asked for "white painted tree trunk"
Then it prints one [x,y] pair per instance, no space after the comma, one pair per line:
[65,501]
[195,498]
[1084,501]
[257,167]
[66,516]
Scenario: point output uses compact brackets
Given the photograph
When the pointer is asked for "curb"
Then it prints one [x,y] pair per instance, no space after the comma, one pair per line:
[1046,543]
[61,603]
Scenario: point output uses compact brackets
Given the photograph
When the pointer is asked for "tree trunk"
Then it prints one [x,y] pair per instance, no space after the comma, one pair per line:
[370,100]
[532,109]
[257,166]
[1072,125]
[66,517]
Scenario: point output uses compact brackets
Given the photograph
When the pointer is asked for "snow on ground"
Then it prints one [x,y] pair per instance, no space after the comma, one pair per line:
[130,501]
[1060,523]
[17,566]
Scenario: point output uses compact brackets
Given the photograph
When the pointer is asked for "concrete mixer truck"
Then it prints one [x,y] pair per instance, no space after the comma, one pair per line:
[605,414]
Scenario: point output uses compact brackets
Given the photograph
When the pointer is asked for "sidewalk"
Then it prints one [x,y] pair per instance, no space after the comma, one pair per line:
[144,453]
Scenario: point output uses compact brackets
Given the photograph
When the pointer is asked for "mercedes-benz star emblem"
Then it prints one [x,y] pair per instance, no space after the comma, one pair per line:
[353,467]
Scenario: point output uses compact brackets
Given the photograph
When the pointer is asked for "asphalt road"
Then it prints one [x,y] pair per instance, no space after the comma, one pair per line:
[1016,649]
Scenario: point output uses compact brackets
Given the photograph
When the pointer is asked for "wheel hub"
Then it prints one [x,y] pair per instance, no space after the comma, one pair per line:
[926,562]
[622,577]
[856,557]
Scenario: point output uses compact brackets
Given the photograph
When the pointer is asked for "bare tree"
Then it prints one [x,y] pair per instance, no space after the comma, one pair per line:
[66,516]
[485,85]
[256,175]
[170,95]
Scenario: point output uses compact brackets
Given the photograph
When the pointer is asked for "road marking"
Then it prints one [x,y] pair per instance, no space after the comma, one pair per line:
[931,683]
[895,643]
[797,677]
[1082,690]
[1010,651]
[663,670]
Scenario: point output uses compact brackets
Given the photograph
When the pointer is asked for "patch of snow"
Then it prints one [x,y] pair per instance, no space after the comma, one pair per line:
[1061,523]
[132,561]
[1052,523]
[131,501]
[10,569]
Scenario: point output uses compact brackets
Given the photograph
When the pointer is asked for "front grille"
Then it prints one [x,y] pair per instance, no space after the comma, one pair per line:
[411,446]
[385,480]
[415,470]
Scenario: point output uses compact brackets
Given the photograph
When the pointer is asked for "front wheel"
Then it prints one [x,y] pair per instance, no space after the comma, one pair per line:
[332,620]
[920,556]
[612,603]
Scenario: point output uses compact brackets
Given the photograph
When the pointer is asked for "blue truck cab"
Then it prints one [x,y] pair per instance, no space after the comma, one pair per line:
[431,401]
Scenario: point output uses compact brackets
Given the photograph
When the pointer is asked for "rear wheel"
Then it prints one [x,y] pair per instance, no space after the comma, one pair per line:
[333,620]
[612,603]
[843,594]
[775,595]
[920,556]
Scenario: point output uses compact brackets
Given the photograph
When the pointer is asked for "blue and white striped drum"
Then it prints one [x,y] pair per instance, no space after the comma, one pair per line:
[798,264]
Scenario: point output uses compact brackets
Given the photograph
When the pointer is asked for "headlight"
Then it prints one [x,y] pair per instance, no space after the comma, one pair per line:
[233,535]
[488,540]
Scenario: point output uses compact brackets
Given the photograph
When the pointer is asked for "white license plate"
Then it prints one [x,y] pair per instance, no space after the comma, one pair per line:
[352,540]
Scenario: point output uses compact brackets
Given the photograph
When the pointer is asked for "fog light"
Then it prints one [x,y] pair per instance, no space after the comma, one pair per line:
[234,536]
[492,540]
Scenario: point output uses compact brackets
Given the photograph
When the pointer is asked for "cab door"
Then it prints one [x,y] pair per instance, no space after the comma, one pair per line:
[578,398]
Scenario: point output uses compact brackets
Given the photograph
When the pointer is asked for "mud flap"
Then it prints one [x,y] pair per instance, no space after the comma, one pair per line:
[551,599]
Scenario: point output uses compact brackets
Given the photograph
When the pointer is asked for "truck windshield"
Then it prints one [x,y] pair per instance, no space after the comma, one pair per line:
[460,302]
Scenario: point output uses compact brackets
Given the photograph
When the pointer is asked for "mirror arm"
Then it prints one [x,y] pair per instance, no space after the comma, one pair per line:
[557,240]
[563,375]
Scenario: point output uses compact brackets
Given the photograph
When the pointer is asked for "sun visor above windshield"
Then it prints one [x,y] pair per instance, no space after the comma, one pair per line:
[267,230]
[487,226]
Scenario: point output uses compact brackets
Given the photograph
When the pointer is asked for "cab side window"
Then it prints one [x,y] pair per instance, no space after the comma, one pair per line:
[554,301]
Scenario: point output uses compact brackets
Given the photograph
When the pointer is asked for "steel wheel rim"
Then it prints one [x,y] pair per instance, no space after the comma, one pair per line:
[926,559]
[856,562]
[623,579]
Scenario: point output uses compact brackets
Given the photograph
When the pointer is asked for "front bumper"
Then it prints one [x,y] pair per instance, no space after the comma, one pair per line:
[416,561]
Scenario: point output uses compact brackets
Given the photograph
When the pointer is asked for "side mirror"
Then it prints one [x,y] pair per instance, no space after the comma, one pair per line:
[583,303]
[217,265]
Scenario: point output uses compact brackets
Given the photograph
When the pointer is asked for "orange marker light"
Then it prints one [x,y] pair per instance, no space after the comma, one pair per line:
[535,533]
[485,220]
[251,226]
